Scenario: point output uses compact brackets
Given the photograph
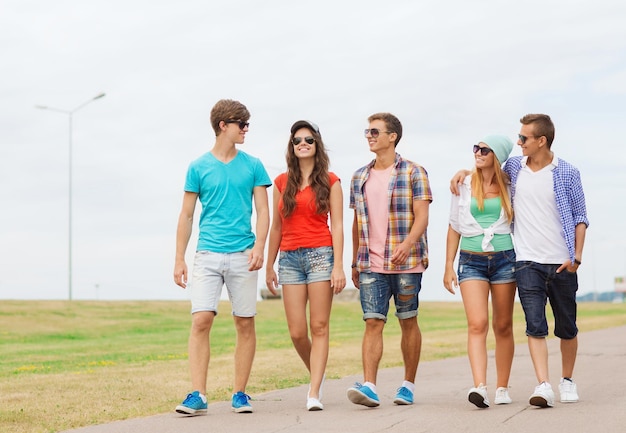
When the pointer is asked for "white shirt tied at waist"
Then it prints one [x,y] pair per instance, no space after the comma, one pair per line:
[463,222]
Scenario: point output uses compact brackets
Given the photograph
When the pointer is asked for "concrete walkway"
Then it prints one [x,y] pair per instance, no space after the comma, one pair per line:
[440,401]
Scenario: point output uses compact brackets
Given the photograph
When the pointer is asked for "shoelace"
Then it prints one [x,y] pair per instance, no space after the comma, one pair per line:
[242,398]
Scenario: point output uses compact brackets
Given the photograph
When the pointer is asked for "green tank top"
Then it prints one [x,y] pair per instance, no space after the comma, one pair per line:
[486,217]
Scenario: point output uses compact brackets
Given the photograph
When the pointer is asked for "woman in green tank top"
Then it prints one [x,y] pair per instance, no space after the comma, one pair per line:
[480,221]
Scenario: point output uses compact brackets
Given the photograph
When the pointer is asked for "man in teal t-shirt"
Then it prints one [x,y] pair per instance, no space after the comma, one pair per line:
[226,181]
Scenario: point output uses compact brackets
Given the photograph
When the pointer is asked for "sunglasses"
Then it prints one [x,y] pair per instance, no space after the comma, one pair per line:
[523,138]
[242,123]
[375,132]
[297,140]
[484,151]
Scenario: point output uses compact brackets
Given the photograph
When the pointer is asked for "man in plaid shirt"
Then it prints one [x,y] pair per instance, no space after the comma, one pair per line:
[390,197]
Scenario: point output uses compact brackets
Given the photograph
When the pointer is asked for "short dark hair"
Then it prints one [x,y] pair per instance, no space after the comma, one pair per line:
[392,123]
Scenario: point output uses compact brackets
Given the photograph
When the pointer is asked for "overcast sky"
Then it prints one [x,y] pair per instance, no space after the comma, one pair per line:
[452,71]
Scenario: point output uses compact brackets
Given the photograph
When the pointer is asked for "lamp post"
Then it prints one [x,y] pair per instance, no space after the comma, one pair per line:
[70,114]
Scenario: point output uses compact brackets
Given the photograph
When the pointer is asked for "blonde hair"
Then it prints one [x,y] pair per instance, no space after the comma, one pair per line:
[502,180]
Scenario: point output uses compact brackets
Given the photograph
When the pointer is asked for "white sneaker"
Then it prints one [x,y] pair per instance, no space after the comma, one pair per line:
[478,396]
[543,396]
[502,396]
[313,404]
[568,391]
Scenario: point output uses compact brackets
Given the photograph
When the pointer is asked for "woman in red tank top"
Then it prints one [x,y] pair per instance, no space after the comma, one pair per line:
[310,267]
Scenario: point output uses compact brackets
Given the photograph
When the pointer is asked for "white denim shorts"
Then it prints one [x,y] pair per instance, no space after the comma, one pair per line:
[212,270]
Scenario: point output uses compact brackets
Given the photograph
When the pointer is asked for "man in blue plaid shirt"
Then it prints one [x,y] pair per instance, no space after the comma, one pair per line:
[549,230]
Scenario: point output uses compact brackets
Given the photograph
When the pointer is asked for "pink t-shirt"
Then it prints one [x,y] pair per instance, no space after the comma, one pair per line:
[377,194]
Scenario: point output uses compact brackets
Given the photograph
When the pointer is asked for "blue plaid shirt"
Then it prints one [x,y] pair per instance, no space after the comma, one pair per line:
[569,194]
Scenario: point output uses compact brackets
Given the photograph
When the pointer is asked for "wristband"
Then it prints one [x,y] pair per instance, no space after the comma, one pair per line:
[578,262]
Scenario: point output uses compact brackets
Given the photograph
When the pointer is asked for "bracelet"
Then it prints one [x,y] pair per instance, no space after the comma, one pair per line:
[353,265]
[578,262]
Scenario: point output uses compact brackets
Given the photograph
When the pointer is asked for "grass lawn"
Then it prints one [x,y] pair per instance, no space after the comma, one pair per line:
[118,360]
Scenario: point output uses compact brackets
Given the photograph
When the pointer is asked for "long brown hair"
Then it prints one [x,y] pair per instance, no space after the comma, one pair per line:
[502,179]
[319,179]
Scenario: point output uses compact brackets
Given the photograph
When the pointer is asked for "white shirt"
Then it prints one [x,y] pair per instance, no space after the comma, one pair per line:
[538,229]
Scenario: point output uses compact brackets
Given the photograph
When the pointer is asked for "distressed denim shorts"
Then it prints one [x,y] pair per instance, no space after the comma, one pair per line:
[212,270]
[495,268]
[536,283]
[377,289]
[305,265]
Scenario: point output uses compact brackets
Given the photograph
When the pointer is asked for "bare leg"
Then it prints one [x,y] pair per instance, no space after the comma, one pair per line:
[476,302]
[569,349]
[372,349]
[244,351]
[320,298]
[294,300]
[502,299]
[200,349]
[411,346]
[538,348]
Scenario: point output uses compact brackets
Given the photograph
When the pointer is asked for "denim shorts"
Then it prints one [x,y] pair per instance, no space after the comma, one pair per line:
[211,271]
[305,265]
[496,268]
[536,283]
[377,289]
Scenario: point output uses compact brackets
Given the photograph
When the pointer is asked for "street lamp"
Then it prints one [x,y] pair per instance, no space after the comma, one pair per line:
[70,114]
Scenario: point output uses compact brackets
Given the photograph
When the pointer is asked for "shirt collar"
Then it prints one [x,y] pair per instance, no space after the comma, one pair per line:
[554,163]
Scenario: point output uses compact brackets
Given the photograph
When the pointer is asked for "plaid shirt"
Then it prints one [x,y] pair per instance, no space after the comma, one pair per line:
[569,194]
[408,182]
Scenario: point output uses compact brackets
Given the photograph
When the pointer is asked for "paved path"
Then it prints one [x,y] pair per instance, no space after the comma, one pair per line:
[441,404]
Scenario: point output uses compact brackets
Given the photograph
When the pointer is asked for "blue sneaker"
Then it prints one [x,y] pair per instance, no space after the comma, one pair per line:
[404,396]
[361,394]
[193,405]
[241,403]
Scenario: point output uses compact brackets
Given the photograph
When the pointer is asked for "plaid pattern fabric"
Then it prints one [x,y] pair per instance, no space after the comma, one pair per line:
[569,194]
[409,182]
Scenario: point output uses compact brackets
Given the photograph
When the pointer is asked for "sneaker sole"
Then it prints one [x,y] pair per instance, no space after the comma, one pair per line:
[242,409]
[188,411]
[357,397]
[477,400]
[402,402]
[539,401]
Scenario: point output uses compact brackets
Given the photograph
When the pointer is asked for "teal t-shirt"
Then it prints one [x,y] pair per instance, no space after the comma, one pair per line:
[225,192]
[484,218]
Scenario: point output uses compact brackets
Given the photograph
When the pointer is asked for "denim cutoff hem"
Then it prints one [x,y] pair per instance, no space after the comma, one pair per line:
[495,268]
[377,289]
[305,265]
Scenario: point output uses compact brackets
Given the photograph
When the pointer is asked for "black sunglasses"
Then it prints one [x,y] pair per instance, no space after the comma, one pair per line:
[523,138]
[375,132]
[297,140]
[484,151]
[242,123]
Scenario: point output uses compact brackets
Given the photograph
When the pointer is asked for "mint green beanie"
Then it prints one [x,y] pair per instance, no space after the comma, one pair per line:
[501,146]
